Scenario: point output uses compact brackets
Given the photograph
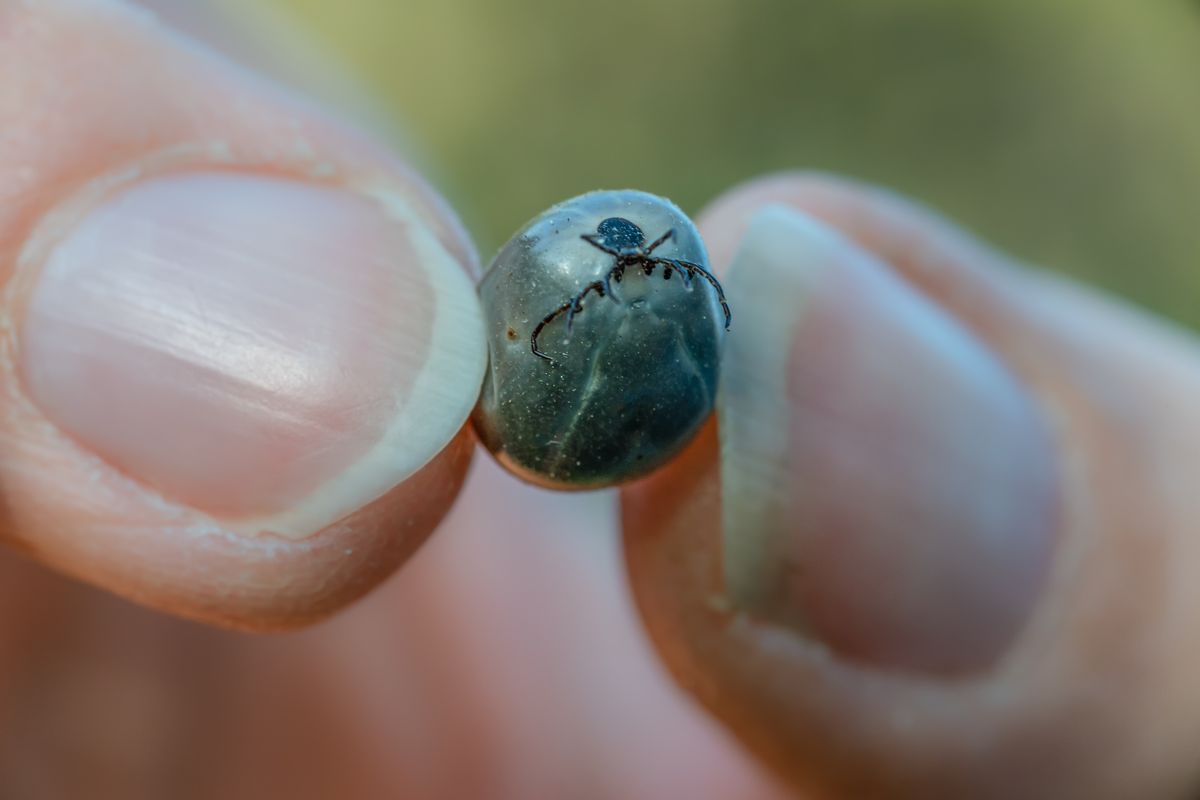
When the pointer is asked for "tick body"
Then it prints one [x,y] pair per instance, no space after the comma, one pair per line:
[605,328]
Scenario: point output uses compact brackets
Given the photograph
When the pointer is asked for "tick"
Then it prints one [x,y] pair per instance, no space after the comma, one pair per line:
[634,379]
[626,243]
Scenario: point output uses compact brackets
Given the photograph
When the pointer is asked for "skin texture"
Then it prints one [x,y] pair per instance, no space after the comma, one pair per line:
[69,140]
[1094,699]
[506,659]
[458,680]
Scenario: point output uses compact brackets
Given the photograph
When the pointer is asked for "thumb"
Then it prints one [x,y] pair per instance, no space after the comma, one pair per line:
[943,543]
[239,342]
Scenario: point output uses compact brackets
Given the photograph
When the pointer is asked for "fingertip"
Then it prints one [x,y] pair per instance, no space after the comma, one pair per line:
[1053,424]
[270,584]
[867,530]
[241,341]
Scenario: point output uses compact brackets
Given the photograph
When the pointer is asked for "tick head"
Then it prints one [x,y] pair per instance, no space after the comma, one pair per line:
[621,235]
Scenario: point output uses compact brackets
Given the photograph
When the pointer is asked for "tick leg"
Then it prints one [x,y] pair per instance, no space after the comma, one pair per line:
[533,338]
[613,276]
[595,242]
[668,235]
[708,276]
[685,273]
[576,305]
[599,287]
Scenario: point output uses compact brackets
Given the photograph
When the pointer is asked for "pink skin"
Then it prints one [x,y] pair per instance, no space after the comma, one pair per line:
[165,107]
[455,680]
[507,660]
[1094,696]
[458,680]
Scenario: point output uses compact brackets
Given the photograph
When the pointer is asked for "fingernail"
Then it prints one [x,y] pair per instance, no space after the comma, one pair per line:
[888,486]
[269,352]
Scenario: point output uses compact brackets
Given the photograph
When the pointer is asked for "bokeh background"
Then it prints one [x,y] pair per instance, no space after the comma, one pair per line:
[1065,131]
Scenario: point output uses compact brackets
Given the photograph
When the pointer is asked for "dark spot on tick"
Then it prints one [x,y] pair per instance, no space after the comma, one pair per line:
[512,334]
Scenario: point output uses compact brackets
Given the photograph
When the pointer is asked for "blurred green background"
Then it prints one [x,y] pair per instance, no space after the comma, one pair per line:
[1066,131]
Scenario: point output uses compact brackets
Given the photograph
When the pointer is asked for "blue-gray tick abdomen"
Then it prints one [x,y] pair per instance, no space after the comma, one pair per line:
[604,335]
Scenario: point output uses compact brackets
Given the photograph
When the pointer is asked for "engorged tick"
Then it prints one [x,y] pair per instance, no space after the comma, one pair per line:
[626,243]
[637,379]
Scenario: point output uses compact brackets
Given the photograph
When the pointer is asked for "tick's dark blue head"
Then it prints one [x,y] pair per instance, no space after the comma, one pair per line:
[621,234]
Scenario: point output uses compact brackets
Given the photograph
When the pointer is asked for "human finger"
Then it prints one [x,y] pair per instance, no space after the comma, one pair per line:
[240,340]
[943,542]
